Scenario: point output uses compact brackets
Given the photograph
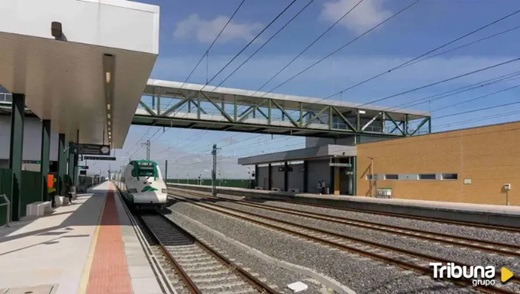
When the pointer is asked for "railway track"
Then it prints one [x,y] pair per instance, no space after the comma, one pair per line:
[399,215]
[478,244]
[403,258]
[198,268]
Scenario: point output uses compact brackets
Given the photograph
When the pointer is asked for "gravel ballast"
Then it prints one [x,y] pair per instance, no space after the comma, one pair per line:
[361,274]
[441,250]
[455,230]
[274,274]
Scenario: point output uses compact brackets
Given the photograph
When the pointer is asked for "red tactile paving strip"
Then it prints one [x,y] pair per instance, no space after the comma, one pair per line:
[109,271]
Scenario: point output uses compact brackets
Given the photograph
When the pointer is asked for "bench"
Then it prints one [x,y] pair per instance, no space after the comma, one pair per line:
[275,189]
[258,188]
[38,208]
[294,190]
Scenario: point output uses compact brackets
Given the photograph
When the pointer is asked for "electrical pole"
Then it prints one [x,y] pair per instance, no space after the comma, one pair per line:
[147,144]
[166,171]
[214,172]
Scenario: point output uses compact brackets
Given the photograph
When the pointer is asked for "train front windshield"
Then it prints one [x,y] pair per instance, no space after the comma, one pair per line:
[145,169]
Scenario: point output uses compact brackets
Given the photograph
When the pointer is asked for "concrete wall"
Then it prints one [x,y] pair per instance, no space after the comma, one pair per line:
[318,170]
[31,139]
[277,177]
[296,177]
[313,142]
[263,173]
[488,156]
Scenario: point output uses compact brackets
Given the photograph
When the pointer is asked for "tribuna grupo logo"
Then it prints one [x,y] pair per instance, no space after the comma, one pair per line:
[479,275]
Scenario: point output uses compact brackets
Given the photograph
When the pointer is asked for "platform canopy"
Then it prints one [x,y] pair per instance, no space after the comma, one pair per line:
[185,105]
[81,64]
[311,153]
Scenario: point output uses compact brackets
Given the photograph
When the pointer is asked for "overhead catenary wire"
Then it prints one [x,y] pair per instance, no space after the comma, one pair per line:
[310,45]
[478,119]
[441,81]
[450,92]
[247,45]
[250,42]
[476,98]
[456,91]
[342,47]
[266,42]
[213,43]
[418,58]
[206,53]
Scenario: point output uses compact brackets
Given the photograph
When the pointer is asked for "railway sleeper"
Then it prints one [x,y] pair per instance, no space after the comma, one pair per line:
[219,272]
[188,265]
[229,286]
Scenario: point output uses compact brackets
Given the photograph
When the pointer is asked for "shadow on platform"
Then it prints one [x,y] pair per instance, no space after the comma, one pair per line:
[86,210]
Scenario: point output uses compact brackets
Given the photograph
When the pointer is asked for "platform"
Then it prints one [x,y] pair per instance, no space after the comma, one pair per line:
[87,247]
[499,215]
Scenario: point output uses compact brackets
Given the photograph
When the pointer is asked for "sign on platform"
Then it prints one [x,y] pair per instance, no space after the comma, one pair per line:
[93,149]
[339,164]
[98,158]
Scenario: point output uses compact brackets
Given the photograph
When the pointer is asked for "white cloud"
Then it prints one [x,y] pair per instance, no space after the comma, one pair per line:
[366,15]
[206,30]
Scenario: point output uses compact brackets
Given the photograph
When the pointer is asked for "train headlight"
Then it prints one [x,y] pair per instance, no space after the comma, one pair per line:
[132,190]
[164,190]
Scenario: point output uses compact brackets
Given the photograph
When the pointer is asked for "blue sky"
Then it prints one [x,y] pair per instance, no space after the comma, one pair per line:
[188,27]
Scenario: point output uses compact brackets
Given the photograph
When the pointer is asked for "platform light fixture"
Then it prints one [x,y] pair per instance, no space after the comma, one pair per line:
[108,82]
[362,111]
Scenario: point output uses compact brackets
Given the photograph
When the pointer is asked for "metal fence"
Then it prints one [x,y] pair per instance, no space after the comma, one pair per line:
[6,178]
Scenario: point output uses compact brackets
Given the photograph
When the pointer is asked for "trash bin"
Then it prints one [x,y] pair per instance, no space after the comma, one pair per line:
[327,190]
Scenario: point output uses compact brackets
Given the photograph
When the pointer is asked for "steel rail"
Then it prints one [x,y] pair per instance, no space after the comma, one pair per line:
[192,288]
[400,263]
[392,214]
[383,228]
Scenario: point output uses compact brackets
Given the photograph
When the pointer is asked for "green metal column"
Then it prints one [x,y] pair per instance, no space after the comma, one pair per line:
[256,177]
[269,177]
[286,177]
[62,162]
[355,175]
[305,176]
[44,163]
[76,169]
[16,153]
[71,166]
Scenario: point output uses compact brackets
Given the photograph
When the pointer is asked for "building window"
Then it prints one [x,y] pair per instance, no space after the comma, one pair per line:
[391,177]
[427,177]
[369,177]
[449,176]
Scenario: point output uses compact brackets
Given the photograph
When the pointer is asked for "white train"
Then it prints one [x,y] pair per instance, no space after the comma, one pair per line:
[143,184]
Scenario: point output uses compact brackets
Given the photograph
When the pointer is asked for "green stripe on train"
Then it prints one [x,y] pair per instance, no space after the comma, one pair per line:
[148,189]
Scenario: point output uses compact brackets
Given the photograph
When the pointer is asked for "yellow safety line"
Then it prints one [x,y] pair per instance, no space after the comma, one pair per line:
[88,265]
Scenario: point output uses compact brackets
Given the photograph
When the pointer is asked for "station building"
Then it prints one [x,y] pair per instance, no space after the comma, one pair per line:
[475,165]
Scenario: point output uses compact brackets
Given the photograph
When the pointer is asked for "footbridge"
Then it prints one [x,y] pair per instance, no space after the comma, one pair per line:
[183,105]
